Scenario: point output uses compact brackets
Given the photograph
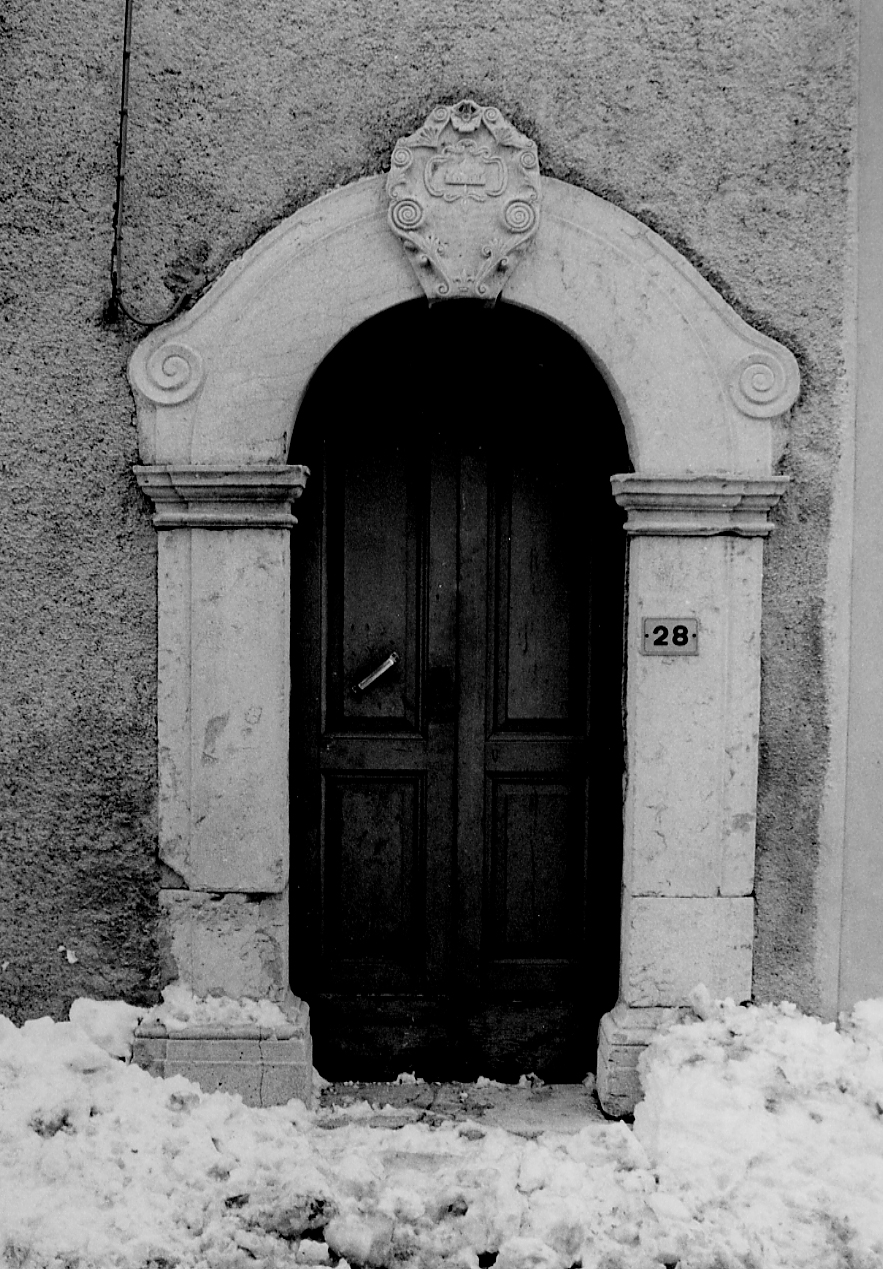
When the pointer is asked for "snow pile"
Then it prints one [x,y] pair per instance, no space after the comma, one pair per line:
[766,1124]
[108,1023]
[759,1145]
[103,1165]
[180,1009]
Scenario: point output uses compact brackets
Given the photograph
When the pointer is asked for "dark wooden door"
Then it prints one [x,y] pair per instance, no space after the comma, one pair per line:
[456,824]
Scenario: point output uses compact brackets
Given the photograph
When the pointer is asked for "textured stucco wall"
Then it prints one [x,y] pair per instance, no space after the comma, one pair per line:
[77,605]
[727,126]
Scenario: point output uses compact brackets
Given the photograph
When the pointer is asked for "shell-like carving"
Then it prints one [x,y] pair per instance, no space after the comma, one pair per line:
[172,373]
[763,385]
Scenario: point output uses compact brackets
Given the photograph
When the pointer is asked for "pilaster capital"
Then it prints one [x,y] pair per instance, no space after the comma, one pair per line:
[206,497]
[697,506]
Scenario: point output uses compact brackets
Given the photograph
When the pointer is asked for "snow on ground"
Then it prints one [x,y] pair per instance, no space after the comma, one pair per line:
[759,1144]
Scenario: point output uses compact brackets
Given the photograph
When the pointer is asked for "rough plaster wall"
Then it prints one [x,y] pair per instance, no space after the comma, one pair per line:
[726,125]
[77,606]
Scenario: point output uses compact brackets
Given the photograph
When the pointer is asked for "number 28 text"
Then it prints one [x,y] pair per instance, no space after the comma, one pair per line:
[670,636]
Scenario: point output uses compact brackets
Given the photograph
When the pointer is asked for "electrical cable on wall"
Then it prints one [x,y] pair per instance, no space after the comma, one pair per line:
[116,260]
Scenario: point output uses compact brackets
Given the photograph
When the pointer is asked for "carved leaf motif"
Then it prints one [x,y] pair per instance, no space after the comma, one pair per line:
[438,244]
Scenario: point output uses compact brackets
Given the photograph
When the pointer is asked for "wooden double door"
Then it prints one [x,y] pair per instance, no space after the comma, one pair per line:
[456,815]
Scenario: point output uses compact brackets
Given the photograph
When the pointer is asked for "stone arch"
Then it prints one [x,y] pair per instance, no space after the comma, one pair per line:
[696,386]
[701,395]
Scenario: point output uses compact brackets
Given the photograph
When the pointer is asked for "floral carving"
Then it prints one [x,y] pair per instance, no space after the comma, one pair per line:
[464,193]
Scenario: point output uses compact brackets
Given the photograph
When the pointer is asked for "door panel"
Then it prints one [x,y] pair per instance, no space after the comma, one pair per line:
[456,826]
[534,883]
[374,885]
[472,657]
[533,938]
[375,499]
[536,756]
[385,754]
[542,594]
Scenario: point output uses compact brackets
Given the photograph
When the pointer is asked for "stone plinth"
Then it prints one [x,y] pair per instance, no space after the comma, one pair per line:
[623,1036]
[267,1067]
[227,944]
[672,944]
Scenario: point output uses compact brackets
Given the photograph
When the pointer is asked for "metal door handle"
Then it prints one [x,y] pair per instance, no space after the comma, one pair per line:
[375,674]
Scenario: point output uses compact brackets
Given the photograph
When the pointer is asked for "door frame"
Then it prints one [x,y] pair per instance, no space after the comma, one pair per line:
[702,397]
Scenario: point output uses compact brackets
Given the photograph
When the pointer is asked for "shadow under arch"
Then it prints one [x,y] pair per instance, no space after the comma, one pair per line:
[459,824]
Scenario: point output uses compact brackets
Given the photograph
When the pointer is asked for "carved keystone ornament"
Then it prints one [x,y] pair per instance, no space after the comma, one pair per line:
[464,196]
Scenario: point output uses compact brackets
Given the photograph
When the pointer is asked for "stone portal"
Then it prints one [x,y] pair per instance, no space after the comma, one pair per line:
[702,397]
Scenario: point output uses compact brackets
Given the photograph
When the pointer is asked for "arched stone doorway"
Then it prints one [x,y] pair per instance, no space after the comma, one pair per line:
[458,867]
[700,394]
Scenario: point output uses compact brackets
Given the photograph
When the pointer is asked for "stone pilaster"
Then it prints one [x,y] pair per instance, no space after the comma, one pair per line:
[223,695]
[696,551]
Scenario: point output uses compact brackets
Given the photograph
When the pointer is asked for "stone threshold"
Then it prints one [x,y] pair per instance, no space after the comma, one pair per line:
[527,1112]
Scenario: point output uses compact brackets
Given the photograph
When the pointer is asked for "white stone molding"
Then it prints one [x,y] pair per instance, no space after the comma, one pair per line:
[702,397]
[222,383]
[218,498]
[697,506]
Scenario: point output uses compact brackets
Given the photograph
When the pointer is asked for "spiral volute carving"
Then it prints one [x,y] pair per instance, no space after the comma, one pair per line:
[760,385]
[173,373]
[406,214]
[520,216]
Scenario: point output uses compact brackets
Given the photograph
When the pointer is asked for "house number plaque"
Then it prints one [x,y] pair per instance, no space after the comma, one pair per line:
[670,637]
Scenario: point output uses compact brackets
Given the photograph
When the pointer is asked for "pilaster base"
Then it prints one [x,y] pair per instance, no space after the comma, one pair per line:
[267,1067]
[623,1035]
